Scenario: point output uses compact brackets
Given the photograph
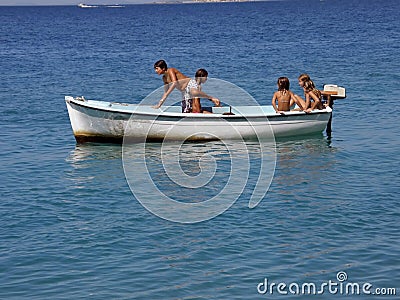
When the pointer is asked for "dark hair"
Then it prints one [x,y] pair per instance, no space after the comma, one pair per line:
[283,84]
[161,64]
[201,73]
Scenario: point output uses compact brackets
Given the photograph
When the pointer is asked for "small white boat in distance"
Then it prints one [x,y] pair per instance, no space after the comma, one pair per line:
[81,5]
[101,121]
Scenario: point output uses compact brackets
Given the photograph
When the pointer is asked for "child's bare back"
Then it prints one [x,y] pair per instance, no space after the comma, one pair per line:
[284,98]
[172,75]
[283,95]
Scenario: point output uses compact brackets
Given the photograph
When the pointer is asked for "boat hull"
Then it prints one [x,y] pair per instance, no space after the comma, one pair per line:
[99,121]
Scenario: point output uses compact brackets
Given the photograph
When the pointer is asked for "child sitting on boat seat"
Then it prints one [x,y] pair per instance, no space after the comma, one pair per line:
[193,92]
[284,96]
[311,94]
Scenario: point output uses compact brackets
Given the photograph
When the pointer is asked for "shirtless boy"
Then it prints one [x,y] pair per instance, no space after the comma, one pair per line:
[172,78]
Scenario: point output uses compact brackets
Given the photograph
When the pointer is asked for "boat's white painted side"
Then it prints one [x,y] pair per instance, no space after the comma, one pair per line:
[101,121]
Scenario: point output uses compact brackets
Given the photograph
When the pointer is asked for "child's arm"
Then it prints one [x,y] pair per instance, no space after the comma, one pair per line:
[273,102]
[168,88]
[200,94]
[292,99]
[317,101]
[307,102]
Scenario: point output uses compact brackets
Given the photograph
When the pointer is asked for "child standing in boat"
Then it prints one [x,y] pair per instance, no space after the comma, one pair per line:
[172,79]
[284,96]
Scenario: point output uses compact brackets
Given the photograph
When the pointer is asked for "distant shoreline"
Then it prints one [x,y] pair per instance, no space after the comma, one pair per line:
[145,2]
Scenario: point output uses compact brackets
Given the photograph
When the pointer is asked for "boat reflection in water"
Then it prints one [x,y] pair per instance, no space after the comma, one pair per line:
[193,181]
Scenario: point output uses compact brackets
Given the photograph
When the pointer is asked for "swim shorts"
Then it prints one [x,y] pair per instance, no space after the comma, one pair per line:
[187,98]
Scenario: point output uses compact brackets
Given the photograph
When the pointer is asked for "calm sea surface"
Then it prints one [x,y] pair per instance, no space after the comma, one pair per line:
[70,227]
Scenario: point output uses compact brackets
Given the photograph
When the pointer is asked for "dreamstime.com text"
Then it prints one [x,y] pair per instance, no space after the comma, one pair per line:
[339,287]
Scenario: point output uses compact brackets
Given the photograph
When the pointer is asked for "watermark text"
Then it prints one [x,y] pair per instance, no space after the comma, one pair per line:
[340,286]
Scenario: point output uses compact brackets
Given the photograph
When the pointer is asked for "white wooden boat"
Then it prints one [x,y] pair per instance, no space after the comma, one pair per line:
[101,121]
[82,5]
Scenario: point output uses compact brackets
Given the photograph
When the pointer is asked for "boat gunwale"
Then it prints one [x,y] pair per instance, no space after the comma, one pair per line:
[111,109]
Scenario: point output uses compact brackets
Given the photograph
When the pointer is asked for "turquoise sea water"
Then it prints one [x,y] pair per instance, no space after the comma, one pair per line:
[70,226]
